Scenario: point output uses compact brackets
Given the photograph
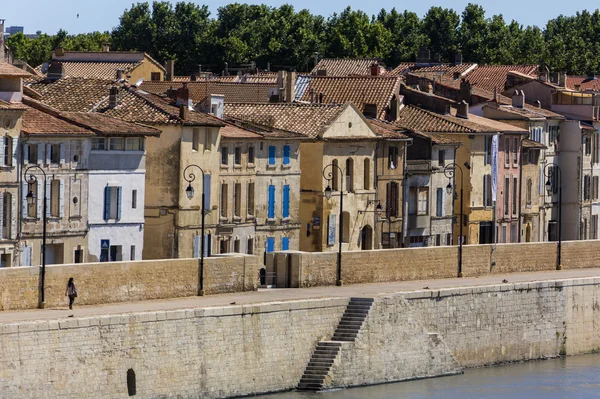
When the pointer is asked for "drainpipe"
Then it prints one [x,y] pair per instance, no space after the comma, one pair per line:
[404,207]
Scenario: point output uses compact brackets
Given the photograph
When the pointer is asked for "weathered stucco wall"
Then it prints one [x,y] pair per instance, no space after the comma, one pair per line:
[99,283]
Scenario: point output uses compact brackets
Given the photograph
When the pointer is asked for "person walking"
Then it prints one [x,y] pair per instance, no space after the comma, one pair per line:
[71,292]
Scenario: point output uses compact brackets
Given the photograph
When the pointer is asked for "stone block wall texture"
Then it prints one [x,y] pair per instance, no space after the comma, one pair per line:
[201,353]
[99,283]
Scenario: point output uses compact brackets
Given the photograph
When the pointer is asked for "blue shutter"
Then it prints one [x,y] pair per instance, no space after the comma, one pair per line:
[106,203]
[206,189]
[285,243]
[206,245]
[286,154]
[119,190]
[270,244]
[271,155]
[286,201]
[196,247]
[271,212]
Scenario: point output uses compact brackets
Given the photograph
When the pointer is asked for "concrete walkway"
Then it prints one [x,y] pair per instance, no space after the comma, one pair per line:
[288,294]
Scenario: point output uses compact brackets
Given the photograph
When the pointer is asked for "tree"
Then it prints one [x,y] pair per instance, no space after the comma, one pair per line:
[405,30]
[440,26]
[473,33]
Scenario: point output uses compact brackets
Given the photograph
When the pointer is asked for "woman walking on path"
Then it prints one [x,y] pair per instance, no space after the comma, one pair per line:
[71,292]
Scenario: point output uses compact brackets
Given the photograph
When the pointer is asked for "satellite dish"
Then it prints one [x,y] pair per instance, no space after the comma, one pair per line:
[139,82]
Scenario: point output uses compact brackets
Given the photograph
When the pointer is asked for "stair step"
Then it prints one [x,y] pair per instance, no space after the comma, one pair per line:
[309,387]
[320,363]
[357,299]
[321,371]
[358,306]
[345,339]
[310,376]
[329,343]
[326,356]
[311,379]
[354,317]
[328,349]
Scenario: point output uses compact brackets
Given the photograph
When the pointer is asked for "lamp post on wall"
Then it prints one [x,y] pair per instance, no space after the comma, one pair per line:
[329,176]
[449,172]
[549,171]
[378,210]
[31,199]
[189,191]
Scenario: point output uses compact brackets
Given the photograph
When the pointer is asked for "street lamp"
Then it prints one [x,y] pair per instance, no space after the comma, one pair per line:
[327,192]
[449,172]
[189,191]
[378,210]
[31,198]
[549,171]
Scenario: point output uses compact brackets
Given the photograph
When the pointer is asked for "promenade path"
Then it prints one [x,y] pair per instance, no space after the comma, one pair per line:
[288,294]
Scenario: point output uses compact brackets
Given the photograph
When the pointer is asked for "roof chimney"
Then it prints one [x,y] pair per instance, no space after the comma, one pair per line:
[56,71]
[562,79]
[59,52]
[465,91]
[457,58]
[375,69]
[226,69]
[170,70]
[423,56]
[462,110]
[2,39]
[290,87]
[316,58]
[518,99]
[113,98]
[105,47]
[182,96]
[320,98]
[183,111]
[312,95]
[281,81]
[120,74]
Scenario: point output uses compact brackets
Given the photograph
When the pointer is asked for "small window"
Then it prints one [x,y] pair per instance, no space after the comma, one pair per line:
[55,198]
[55,153]
[134,199]
[32,155]
[286,154]
[155,76]
[132,253]
[250,202]
[237,156]
[507,152]
[250,249]
[224,156]
[515,151]
[98,144]
[224,200]
[208,140]
[8,151]
[392,157]
[237,199]
[272,155]
[116,144]
[236,245]
[251,155]
[441,157]
[196,139]
[135,144]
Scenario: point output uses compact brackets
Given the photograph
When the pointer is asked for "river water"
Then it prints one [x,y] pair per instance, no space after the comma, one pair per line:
[573,377]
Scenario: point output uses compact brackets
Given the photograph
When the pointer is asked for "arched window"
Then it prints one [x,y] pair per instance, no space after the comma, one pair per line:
[349,174]
[334,175]
[367,174]
[345,222]
[529,188]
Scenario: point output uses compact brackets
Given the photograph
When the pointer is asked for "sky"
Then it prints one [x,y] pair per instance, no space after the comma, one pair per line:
[51,15]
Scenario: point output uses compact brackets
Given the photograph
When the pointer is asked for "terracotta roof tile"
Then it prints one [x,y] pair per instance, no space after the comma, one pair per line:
[231,131]
[528,143]
[6,106]
[387,130]
[233,92]
[96,70]
[306,119]
[583,82]
[345,66]
[105,125]
[41,123]
[431,71]
[7,70]
[488,77]
[359,90]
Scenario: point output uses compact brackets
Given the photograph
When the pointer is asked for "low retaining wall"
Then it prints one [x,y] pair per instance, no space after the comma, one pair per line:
[100,283]
[309,269]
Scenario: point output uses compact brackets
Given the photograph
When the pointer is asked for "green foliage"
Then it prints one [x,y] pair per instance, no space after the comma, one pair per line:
[285,37]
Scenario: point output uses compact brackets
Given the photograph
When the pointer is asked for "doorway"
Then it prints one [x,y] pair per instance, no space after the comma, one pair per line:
[366,242]
[486,233]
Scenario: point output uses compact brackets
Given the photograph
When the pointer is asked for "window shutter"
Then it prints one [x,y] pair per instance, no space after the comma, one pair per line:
[48,153]
[206,245]
[13,222]
[119,198]
[542,182]
[486,140]
[285,243]
[25,154]
[196,247]
[61,203]
[485,190]
[106,203]
[270,244]
[14,146]
[286,154]
[271,212]
[40,199]
[26,255]
[62,154]
[286,201]
[2,215]
[271,155]
[48,194]
[24,205]
[206,189]
[2,151]
[40,151]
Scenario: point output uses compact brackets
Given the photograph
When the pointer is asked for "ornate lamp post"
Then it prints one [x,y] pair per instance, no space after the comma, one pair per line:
[329,176]
[31,199]
[189,191]
[378,210]
[549,171]
[449,172]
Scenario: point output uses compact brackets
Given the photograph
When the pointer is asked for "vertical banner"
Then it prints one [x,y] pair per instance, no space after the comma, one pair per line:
[331,230]
[494,166]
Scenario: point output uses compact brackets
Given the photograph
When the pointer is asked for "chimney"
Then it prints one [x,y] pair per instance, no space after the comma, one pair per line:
[495,94]
[423,56]
[437,58]
[562,79]
[462,110]
[316,54]
[312,95]
[268,67]
[518,99]
[2,40]
[320,98]
[170,70]
[290,87]
[457,58]
[105,47]
[56,71]
[59,52]
[281,81]
[183,111]
[182,96]
[591,75]
[226,69]
[466,89]
[456,75]
[375,69]
[113,98]
[120,74]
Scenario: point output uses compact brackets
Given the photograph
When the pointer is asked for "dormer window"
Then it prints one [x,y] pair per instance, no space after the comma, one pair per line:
[370,110]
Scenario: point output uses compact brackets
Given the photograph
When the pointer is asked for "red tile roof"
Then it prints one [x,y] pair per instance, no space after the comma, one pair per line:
[200,90]
[41,123]
[10,71]
[345,66]
[387,129]
[488,77]
[105,125]
[96,70]
[6,106]
[231,131]
[583,82]
[431,71]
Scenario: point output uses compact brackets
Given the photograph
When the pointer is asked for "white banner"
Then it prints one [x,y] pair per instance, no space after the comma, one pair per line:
[494,166]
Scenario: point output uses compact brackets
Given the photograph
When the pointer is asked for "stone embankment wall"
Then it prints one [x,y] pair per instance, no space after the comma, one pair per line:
[251,349]
[99,283]
[309,269]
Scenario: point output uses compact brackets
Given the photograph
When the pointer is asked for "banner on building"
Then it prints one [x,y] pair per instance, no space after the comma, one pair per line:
[331,230]
[494,166]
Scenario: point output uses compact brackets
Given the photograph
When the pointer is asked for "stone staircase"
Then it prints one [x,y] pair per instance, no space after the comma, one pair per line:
[326,351]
